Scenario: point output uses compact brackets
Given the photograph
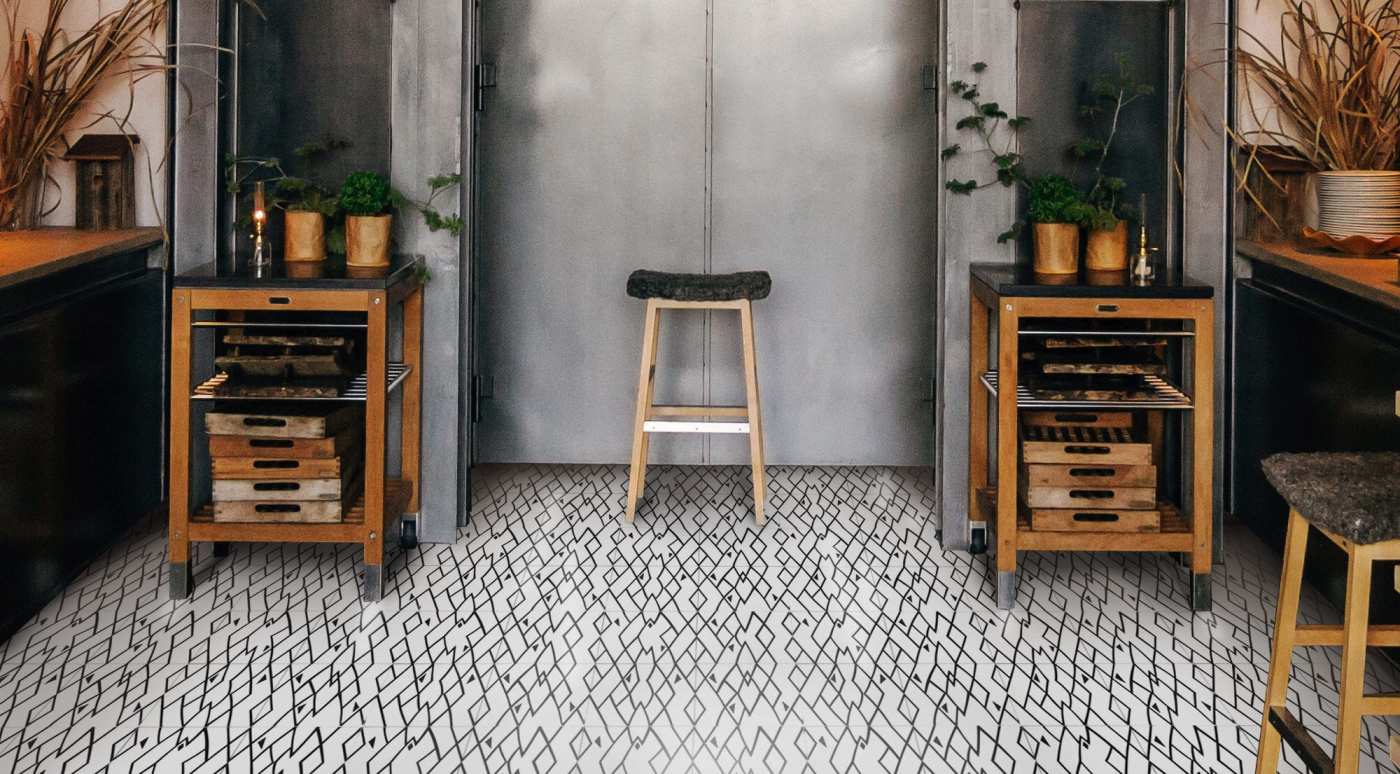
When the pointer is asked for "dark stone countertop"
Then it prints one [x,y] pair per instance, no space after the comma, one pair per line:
[1010,280]
[330,274]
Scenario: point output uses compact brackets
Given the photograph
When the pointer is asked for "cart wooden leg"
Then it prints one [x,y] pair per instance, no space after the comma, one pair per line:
[1008,349]
[978,357]
[1285,631]
[412,441]
[179,474]
[760,489]
[1203,456]
[646,381]
[376,348]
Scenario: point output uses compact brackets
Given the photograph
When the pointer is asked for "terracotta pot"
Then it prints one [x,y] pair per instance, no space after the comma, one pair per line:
[1056,248]
[367,240]
[1107,249]
[304,237]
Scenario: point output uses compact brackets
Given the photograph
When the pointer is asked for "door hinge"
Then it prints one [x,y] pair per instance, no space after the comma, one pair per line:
[930,76]
[485,76]
[481,390]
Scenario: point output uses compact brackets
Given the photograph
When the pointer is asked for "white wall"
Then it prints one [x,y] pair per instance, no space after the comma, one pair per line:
[143,105]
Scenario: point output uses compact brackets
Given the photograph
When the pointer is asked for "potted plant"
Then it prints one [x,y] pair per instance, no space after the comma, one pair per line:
[1106,247]
[305,207]
[1056,210]
[1327,96]
[367,201]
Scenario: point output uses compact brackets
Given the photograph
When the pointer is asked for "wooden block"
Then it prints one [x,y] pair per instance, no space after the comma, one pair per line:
[1091,475]
[273,468]
[320,422]
[1077,418]
[1131,498]
[229,490]
[285,366]
[1088,520]
[277,340]
[283,448]
[323,512]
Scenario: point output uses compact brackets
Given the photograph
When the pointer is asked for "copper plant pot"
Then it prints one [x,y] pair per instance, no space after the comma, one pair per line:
[304,237]
[1107,249]
[1056,248]
[367,240]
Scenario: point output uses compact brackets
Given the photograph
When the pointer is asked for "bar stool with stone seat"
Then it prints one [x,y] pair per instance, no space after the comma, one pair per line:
[1354,501]
[670,291]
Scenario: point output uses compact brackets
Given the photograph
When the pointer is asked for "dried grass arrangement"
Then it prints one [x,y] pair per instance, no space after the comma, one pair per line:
[49,77]
[1328,93]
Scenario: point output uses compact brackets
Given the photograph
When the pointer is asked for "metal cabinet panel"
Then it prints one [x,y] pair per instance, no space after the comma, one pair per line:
[591,164]
[825,174]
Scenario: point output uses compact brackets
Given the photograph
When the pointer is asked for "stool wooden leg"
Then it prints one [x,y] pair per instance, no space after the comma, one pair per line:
[645,381]
[1285,630]
[760,489]
[1355,618]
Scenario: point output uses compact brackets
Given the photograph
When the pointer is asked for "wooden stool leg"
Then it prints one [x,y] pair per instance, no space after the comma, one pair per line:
[1355,618]
[760,489]
[645,383]
[1285,629]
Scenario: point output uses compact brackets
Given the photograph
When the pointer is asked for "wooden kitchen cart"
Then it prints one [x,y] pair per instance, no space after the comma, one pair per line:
[319,297]
[1024,306]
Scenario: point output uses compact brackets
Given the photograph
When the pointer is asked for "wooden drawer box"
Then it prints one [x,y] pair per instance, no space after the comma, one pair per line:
[1077,445]
[1117,498]
[322,512]
[317,422]
[1096,476]
[282,448]
[273,468]
[1085,520]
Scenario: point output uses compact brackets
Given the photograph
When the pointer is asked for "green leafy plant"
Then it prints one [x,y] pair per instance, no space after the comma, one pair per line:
[1054,199]
[366,194]
[435,220]
[986,121]
[1109,95]
[289,192]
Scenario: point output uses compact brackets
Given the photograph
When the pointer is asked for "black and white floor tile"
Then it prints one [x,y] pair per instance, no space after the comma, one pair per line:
[553,637]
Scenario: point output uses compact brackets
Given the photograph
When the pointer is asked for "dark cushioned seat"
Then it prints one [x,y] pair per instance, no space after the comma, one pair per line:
[1353,495]
[752,285]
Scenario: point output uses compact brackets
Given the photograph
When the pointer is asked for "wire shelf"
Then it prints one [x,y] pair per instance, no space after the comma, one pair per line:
[1165,396]
[358,390]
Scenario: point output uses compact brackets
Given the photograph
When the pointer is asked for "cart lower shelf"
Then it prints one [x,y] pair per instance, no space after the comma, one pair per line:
[1174,535]
[203,528]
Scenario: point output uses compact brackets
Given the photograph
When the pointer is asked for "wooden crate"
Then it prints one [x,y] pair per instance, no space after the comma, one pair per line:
[1091,475]
[1077,418]
[273,468]
[1077,445]
[1090,520]
[1110,498]
[283,448]
[300,422]
[291,511]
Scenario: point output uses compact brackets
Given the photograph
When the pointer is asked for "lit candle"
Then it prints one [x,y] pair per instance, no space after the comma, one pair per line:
[259,204]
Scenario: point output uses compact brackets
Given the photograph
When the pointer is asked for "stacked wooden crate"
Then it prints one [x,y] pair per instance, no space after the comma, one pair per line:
[1088,471]
[286,463]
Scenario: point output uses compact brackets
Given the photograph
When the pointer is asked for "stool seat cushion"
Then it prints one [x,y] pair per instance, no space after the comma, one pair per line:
[751,285]
[1352,495]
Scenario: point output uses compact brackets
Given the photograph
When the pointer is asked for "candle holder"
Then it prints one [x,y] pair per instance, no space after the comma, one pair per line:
[262,258]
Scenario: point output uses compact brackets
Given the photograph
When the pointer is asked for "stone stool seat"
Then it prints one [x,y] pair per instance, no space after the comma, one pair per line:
[1352,499]
[1352,495]
[743,285]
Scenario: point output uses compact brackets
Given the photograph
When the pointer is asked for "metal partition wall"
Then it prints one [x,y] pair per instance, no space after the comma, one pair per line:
[709,136]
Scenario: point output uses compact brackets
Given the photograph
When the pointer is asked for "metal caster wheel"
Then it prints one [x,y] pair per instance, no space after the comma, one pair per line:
[979,541]
[408,535]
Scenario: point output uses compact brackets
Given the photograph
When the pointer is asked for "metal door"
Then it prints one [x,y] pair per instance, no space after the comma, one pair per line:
[708,135]
[591,164]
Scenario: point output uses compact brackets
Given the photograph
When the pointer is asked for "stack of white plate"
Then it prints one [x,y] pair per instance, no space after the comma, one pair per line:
[1360,203]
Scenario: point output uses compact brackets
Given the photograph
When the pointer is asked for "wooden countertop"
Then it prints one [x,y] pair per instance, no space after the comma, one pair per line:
[27,255]
[1371,278]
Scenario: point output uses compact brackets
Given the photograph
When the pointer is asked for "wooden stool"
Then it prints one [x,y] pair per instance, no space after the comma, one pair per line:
[696,291]
[1353,500]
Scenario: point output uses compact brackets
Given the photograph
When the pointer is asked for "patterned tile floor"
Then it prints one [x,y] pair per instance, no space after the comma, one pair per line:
[552,637]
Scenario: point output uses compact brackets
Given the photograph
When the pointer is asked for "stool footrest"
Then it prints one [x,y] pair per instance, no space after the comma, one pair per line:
[1300,740]
[662,426]
[657,412]
[1377,635]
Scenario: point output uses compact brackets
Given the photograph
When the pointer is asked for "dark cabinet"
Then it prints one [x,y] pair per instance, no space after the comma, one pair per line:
[80,425]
